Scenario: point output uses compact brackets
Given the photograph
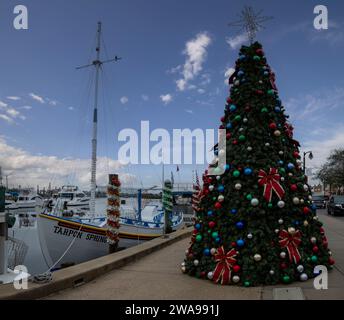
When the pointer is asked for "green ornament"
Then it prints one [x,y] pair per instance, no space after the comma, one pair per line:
[249,197]
[236,173]
[198,238]
[264,110]
[271,92]
[237,118]
[247,283]
[281,170]
[215,234]
[256,58]
[270,205]
[286,279]
[314,259]
[242,138]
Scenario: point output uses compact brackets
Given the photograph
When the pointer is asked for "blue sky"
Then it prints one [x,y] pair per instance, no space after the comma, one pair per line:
[46,105]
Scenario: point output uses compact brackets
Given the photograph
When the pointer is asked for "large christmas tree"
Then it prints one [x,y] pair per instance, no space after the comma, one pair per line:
[256,223]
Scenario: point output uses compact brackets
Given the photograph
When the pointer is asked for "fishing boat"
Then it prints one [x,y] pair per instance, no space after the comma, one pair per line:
[25,202]
[69,236]
[71,196]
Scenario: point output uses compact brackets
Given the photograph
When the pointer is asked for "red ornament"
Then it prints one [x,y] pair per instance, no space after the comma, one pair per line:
[235,142]
[331,261]
[229,100]
[315,249]
[211,224]
[273,126]
[306,210]
[218,205]
[322,231]
[222,119]
[228,136]
[283,265]
[236,268]
[293,187]
[233,244]
[296,155]
[260,52]
[203,274]
[259,92]
[247,108]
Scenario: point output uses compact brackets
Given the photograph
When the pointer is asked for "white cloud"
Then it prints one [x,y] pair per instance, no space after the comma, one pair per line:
[228,73]
[196,54]
[14,98]
[40,169]
[71,109]
[189,111]
[166,98]
[37,98]
[13,112]
[3,105]
[124,100]
[26,107]
[6,118]
[53,102]
[145,97]
[201,91]
[174,70]
[237,41]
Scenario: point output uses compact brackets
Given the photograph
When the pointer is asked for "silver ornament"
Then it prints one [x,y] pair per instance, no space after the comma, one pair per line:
[218,177]
[245,120]
[254,202]
[250,236]
[296,200]
[314,240]
[277,133]
[210,275]
[283,255]
[305,187]
[236,279]
[277,230]
[211,188]
[183,269]
[281,153]
[280,221]
[238,186]
[212,251]
[281,204]
[249,149]
[303,277]
[300,268]
[257,257]
[196,263]
[267,144]
[220,198]
[272,272]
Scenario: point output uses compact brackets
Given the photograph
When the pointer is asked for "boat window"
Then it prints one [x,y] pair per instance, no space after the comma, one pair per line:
[66,195]
[80,195]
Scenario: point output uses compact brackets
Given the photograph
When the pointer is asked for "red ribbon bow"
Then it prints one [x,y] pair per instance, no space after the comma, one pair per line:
[271,183]
[225,262]
[291,241]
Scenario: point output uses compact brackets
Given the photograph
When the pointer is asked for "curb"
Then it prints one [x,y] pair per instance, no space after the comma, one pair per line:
[88,271]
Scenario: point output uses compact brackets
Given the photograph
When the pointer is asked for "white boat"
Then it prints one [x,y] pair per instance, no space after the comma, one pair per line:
[26,202]
[70,236]
[9,200]
[71,196]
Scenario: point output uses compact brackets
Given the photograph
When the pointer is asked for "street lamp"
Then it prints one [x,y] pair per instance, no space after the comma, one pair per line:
[304,159]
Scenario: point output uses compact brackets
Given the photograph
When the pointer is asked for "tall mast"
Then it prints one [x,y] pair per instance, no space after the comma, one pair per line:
[97,64]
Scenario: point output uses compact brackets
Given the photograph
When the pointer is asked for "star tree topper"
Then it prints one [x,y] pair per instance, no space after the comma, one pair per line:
[251,22]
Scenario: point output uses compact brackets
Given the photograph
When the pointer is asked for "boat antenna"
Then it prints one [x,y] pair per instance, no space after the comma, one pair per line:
[98,65]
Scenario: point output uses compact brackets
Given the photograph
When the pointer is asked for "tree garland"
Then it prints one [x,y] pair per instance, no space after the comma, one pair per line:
[113,210]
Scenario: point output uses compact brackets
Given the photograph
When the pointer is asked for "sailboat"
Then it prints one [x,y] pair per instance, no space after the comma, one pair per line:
[71,237]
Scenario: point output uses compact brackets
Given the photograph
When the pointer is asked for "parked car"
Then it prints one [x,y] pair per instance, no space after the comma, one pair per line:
[319,201]
[336,205]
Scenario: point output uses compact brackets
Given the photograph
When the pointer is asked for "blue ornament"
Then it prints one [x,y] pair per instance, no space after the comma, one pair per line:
[239,225]
[232,108]
[277,109]
[248,171]
[229,125]
[240,73]
[266,73]
[240,243]
[234,211]
[227,167]
[280,162]
[198,226]
[217,240]
[243,80]
[221,188]
[206,252]
[314,207]
[242,57]
[210,213]
[291,166]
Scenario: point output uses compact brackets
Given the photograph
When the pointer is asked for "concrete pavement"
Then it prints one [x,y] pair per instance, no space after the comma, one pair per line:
[158,276]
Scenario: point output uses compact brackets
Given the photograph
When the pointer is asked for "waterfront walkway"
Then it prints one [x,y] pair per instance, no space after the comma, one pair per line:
[158,276]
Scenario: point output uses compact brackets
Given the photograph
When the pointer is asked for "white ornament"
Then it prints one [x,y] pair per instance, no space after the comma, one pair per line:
[290,174]
[310,198]
[238,186]
[245,120]
[212,251]
[211,188]
[241,129]
[316,218]
[305,223]
[267,144]
[210,275]
[281,153]
[183,264]
[272,272]
[218,177]
[291,230]
[280,221]
[236,279]
[281,204]
[277,133]
[183,269]
[249,149]
[302,201]
[314,240]
[250,236]
[303,277]
[300,268]
[298,162]
[296,200]
[196,263]
[277,231]
[282,179]
[283,255]
[257,257]
[237,82]
[220,198]
[254,202]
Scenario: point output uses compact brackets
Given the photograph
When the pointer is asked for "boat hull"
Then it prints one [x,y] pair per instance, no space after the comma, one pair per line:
[65,242]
